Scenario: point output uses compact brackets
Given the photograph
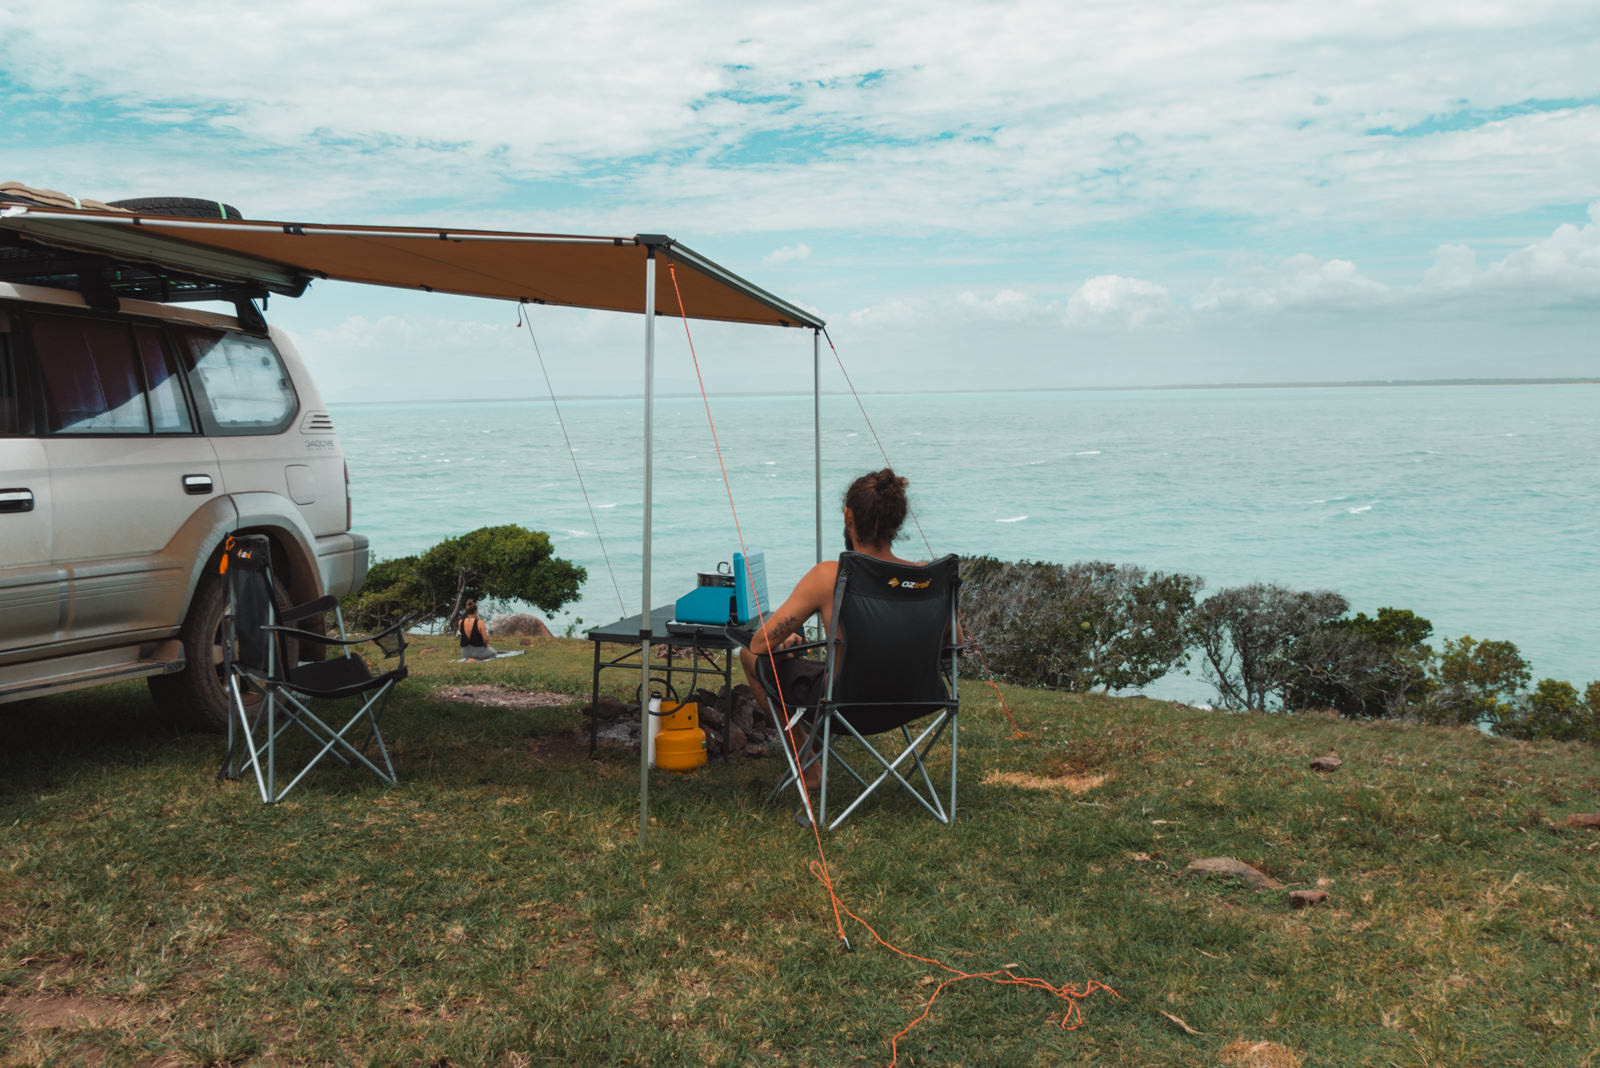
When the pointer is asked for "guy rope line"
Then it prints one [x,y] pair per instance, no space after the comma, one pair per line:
[1073,1017]
[788,726]
[983,661]
[571,452]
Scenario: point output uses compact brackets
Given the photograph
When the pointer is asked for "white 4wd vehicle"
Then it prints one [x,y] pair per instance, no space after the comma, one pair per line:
[135,436]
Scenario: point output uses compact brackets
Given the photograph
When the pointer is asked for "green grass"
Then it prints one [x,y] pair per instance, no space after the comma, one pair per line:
[495,908]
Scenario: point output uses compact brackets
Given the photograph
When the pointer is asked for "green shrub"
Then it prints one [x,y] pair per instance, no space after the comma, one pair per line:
[1365,667]
[1474,682]
[1555,711]
[1076,627]
[503,563]
[1253,639]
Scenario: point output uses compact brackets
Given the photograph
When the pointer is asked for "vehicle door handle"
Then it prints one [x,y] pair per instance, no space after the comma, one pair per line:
[197,484]
[16,499]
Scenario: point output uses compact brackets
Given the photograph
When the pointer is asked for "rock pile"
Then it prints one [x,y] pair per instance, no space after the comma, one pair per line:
[750,731]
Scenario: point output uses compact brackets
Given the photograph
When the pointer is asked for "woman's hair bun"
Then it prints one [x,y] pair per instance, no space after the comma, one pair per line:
[878,502]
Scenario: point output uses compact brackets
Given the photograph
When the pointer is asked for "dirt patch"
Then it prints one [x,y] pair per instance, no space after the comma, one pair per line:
[494,695]
[42,1012]
[562,747]
[1259,1055]
[1071,782]
[248,951]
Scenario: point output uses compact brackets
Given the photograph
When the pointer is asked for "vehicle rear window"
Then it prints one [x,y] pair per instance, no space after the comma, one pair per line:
[240,383]
[91,378]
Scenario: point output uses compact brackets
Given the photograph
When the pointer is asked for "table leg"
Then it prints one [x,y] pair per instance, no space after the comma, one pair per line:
[727,702]
[594,704]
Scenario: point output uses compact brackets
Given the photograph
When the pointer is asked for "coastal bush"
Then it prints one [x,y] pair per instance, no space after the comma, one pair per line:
[1076,627]
[492,564]
[1474,683]
[1364,667]
[1254,639]
[1554,711]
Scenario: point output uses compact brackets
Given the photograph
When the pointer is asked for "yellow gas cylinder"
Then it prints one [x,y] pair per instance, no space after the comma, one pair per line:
[681,744]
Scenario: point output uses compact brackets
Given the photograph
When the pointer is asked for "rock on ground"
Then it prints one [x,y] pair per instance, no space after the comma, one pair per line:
[518,626]
[1236,868]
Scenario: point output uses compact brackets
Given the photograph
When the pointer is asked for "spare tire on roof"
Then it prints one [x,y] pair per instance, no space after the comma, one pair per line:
[184,207]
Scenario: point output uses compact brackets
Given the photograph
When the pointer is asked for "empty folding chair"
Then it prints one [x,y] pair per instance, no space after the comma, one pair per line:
[274,693]
[890,667]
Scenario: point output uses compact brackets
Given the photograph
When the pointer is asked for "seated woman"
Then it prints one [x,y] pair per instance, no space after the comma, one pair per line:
[874,507]
[474,639]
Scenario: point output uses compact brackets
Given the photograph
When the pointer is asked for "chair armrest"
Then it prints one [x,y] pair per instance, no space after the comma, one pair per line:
[310,608]
[360,639]
[743,637]
[308,636]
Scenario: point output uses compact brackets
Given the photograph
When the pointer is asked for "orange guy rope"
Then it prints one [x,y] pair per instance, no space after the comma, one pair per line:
[788,729]
[1073,1017]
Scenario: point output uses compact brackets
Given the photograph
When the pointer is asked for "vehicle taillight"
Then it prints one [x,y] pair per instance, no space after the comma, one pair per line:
[347,495]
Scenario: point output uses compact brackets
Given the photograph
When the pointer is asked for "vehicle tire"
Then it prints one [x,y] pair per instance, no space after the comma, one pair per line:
[182,207]
[197,696]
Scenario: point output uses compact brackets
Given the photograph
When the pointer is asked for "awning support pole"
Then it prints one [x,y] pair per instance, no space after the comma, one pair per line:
[644,580]
[816,425]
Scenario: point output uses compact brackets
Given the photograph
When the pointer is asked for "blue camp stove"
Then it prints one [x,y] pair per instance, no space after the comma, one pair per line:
[739,596]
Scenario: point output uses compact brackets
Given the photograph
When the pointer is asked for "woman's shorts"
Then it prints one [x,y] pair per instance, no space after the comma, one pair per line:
[801,680]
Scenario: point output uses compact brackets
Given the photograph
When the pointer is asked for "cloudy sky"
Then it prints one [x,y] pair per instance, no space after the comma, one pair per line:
[973,194]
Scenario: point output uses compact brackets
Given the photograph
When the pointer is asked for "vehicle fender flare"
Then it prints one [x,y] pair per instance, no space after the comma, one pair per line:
[264,513]
[279,518]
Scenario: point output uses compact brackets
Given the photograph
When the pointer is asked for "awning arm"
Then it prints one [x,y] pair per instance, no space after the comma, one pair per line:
[690,258]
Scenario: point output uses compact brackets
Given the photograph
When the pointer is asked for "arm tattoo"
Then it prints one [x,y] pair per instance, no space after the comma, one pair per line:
[781,629]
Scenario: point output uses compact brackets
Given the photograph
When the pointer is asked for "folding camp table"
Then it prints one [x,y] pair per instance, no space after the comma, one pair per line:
[710,652]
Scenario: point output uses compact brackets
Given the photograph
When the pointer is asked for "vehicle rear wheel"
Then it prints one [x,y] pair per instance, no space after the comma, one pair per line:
[183,207]
[197,696]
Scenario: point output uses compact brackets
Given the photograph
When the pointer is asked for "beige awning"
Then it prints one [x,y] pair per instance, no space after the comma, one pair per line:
[561,269]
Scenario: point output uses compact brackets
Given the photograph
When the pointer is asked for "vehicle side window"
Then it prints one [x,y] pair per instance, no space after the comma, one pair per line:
[169,412]
[13,403]
[90,375]
[240,384]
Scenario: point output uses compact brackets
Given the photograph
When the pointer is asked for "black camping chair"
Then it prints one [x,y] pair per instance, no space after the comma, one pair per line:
[890,663]
[270,694]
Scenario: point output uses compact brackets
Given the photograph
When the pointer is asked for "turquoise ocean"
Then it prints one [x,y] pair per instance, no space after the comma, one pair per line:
[1476,506]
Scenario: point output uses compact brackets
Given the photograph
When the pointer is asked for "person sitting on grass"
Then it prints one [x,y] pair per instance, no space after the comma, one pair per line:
[874,508]
[474,639]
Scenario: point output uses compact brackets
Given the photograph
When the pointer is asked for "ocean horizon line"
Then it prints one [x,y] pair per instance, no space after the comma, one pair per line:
[1378,383]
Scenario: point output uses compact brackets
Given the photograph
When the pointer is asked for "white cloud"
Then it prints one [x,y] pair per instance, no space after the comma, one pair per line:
[972,118]
[1563,267]
[1111,301]
[892,312]
[787,253]
[1454,267]
[1296,283]
[1007,305]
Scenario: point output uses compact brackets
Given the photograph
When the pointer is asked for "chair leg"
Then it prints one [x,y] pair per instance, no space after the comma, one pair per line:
[922,768]
[924,743]
[247,739]
[261,757]
[827,752]
[796,769]
[955,737]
